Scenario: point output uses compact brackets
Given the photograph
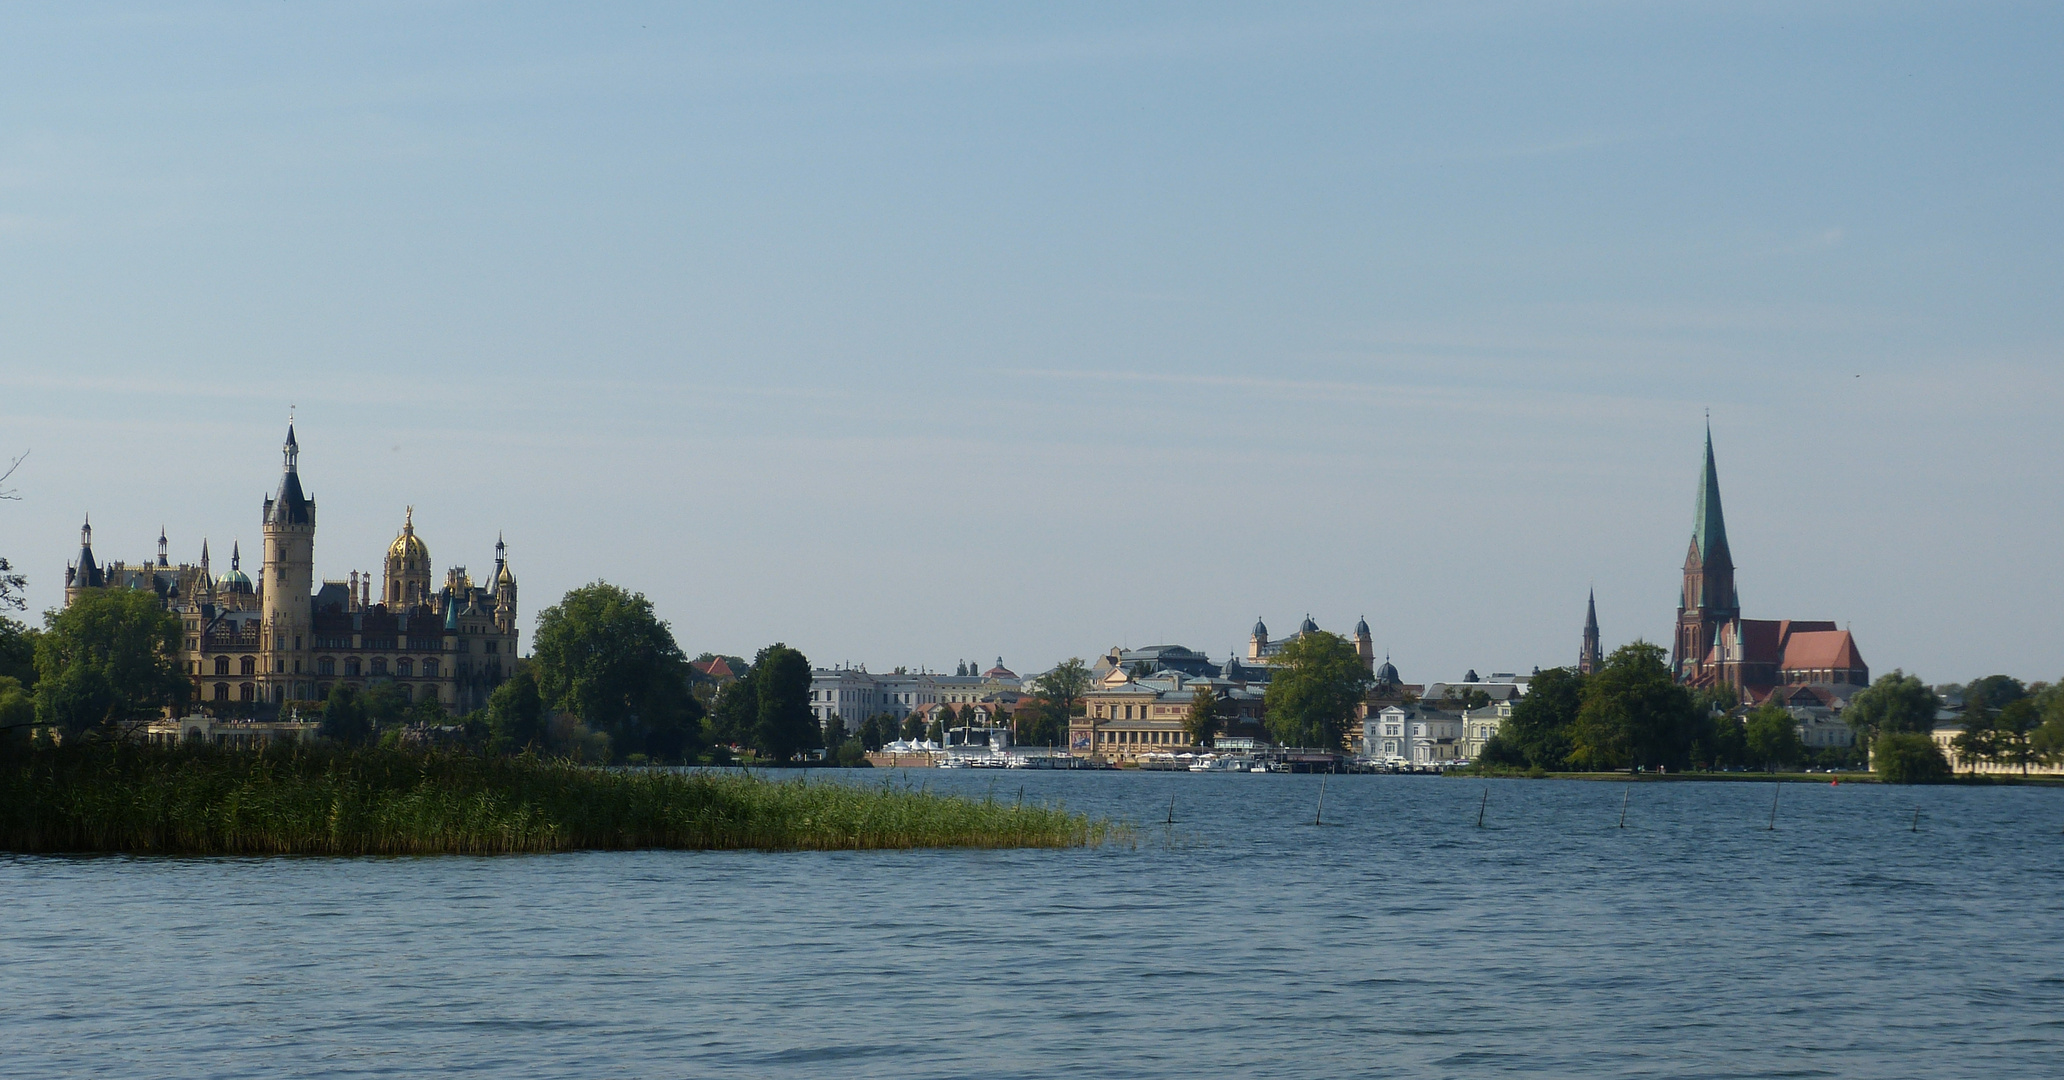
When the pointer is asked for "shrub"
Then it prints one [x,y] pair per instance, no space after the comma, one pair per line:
[1909,759]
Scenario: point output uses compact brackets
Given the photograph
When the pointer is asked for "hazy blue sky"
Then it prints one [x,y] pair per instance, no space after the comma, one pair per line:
[913,334]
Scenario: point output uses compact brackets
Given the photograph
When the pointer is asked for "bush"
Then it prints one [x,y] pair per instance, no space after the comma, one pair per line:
[1909,759]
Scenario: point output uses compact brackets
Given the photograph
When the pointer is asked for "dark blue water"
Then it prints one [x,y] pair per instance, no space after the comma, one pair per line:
[1398,939]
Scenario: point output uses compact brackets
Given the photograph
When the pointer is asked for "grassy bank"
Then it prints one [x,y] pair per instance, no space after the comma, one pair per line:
[206,801]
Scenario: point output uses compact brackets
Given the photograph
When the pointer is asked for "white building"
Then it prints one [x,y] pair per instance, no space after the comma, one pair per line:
[1415,735]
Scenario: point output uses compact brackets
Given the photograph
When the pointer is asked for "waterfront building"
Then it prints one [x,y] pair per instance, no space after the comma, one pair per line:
[1715,646]
[852,694]
[251,645]
[1420,734]
[1146,714]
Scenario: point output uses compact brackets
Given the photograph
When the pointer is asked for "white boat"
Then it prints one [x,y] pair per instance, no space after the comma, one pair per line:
[1228,763]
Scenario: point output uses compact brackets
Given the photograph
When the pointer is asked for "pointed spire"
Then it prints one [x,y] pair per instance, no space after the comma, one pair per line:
[1591,612]
[236,555]
[204,554]
[1710,529]
[291,506]
[164,549]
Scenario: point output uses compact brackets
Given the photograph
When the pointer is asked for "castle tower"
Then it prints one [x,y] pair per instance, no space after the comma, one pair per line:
[408,567]
[1364,645]
[1708,601]
[286,586]
[504,589]
[164,549]
[1589,658]
[85,572]
[1257,642]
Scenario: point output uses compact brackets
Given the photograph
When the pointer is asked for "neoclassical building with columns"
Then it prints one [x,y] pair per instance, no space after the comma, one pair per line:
[257,643]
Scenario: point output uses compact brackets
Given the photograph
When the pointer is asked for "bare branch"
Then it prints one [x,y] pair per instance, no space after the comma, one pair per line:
[9,493]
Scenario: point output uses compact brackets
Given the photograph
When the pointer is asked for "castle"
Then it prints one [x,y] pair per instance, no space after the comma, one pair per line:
[1715,646]
[254,645]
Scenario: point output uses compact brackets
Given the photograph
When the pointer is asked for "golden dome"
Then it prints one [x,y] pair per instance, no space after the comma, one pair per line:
[408,545]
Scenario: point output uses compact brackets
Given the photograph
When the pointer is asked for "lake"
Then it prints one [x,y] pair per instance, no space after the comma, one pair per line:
[1396,939]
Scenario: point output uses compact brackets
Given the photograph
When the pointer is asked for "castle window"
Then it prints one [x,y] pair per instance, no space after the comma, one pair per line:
[222,691]
[351,665]
[491,646]
[247,666]
[326,666]
[379,665]
[222,665]
[247,692]
[429,669]
[465,646]
[405,667]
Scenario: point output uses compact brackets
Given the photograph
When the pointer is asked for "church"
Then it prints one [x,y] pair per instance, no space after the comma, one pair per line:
[1716,647]
[253,645]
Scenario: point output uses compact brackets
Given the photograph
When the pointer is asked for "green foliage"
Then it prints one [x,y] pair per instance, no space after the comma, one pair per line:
[325,800]
[1773,737]
[17,711]
[1205,718]
[936,732]
[1312,694]
[2008,737]
[17,653]
[781,682]
[1062,689]
[877,731]
[1538,731]
[1725,742]
[111,656]
[344,717]
[735,713]
[1037,723]
[1634,714]
[602,655]
[1992,693]
[913,727]
[1895,703]
[1909,758]
[852,754]
[516,714]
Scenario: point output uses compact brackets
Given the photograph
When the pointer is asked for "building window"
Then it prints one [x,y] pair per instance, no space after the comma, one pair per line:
[491,645]
[222,665]
[405,667]
[326,666]
[351,665]
[429,669]
[379,665]
[222,691]
[407,694]
[247,692]
[247,666]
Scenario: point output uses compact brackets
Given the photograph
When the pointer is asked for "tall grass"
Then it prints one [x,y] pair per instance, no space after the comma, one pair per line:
[327,801]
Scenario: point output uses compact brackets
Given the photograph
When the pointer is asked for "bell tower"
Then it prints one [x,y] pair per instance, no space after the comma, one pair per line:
[286,587]
[1708,601]
[408,568]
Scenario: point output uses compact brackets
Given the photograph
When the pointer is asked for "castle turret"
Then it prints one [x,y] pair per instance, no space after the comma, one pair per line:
[286,584]
[1257,642]
[1364,644]
[408,567]
[84,573]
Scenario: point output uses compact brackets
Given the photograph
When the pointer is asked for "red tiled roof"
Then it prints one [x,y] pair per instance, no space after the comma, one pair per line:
[1816,650]
[715,669]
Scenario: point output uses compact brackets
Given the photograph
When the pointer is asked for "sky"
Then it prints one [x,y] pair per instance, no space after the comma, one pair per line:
[912,334]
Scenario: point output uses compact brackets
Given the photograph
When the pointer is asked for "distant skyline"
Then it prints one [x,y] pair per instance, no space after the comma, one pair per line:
[917,334]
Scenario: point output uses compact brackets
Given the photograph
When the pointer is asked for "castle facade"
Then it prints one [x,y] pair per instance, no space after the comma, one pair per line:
[259,643]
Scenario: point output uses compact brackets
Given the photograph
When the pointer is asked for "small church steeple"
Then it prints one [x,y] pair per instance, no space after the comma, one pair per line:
[1588,658]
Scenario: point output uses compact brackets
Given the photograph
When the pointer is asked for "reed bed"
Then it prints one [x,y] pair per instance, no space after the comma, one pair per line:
[194,800]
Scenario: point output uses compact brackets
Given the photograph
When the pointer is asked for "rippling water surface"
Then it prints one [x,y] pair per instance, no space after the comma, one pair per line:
[1397,939]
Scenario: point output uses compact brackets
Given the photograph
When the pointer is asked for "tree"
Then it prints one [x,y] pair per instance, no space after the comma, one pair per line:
[1773,737]
[1726,740]
[1317,683]
[17,711]
[2007,737]
[1206,716]
[1038,723]
[1634,713]
[1992,693]
[1062,688]
[1538,730]
[17,652]
[516,714]
[108,658]
[1909,758]
[913,727]
[601,654]
[784,725]
[1896,703]
[344,716]
[736,711]
[936,732]
[11,586]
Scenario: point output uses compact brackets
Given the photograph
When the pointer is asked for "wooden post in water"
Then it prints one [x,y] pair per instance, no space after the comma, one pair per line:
[1482,806]
[1917,819]
[1171,811]
[1628,794]
[1776,790]
[1322,800]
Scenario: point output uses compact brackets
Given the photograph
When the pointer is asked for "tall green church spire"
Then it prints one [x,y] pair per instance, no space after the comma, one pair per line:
[1710,531]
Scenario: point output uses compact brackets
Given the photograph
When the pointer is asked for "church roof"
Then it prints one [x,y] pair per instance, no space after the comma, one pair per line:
[1815,650]
[1709,531]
